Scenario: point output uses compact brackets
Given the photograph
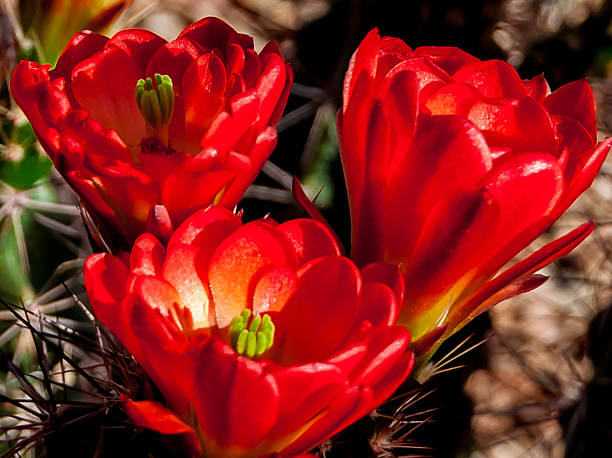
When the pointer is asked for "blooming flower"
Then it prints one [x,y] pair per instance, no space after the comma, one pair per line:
[261,337]
[453,165]
[147,131]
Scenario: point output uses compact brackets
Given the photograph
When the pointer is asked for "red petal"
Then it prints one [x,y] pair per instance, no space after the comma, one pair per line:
[184,192]
[453,238]
[151,415]
[310,239]
[31,88]
[98,141]
[282,99]
[172,59]
[108,95]
[351,355]
[227,129]
[273,289]
[454,98]
[272,87]
[393,379]
[237,260]
[197,224]
[443,145]
[399,102]
[575,100]
[368,213]
[537,88]
[350,405]
[305,392]
[377,305]
[156,294]
[147,256]
[386,274]
[258,154]
[128,191]
[492,78]
[213,33]
[571,136]
[234,58]
[159,223]
[161,351]
[374,57]
[354,121]
[327,300]
[236,403]
[105,216]
[522,125]
[181,271]
[106,280]
[139,44]
[82,45]
[426,71]
[384,352]
[363,60]
[448,58]
[527,187]
[544,256]
[519,286]
[391,51]
[203,92]
[580,172]
[252,65]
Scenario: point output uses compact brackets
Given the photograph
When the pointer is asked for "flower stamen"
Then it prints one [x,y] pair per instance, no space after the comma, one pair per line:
[156,103]
[251,339]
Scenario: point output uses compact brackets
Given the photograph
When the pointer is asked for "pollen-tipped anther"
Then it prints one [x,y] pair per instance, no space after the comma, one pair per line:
[156,102]
[253,338]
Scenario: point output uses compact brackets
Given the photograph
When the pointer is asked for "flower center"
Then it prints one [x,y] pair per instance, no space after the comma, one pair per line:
[254,338]
[156,103]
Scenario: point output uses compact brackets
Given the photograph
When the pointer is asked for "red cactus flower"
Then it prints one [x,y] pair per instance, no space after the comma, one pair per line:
[262,337]
[147,131]
[453,165]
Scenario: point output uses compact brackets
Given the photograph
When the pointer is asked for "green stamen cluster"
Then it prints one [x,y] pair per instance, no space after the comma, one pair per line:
[156,103]
[251,340]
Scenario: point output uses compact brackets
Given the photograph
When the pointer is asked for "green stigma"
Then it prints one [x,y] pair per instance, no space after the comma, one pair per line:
[155,103]
[254,338]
